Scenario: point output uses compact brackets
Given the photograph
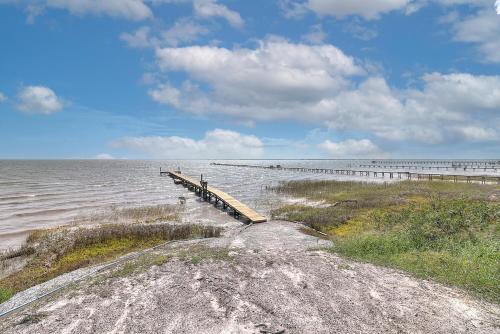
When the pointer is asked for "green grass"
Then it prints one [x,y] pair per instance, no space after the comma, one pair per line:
[89,246]
[443,231]
[5,294]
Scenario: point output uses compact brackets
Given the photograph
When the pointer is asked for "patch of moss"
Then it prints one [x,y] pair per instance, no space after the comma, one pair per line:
[5,294]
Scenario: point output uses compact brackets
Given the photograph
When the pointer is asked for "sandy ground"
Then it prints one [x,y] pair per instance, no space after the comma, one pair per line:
[275,280]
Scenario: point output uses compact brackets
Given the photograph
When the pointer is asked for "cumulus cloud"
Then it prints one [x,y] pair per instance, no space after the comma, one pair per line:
[352,148]
[3,98]
[216,144]
[39,100]
[166,94]
[210,8]
[275,73]
[185,30]
[369,10]
[279,80]
[477,133]
[138,39]
[135,10]
[481,29]
[497,6]
[129,9]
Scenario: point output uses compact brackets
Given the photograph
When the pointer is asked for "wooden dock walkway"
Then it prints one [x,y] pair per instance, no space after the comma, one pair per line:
[201,188]
[428,167]
[452,163]
[483,179]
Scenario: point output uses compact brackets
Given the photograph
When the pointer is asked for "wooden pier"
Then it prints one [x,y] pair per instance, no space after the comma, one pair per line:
[472,168]
[452,163]
[202,189]
[483,179]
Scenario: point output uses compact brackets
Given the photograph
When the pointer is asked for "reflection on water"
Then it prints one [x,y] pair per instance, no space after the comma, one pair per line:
[36,194]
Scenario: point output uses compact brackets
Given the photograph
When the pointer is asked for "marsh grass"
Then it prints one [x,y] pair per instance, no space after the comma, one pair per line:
[65,251]
[444,231]
[24,250]
[143,214]
[369,194]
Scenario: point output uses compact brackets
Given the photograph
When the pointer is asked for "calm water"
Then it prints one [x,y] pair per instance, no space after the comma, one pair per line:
[35,194]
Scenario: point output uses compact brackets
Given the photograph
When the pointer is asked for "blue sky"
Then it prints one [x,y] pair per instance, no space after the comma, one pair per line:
[249,79]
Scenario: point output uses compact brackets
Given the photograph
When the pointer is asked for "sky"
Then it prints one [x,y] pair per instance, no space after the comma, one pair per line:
[214,79]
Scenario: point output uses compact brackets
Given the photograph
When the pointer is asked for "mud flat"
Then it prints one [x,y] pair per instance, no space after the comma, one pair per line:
[266,278]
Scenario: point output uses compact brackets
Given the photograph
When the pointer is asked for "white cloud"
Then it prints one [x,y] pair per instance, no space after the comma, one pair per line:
[129,9]
[39,100]
[216,144]
[138,39]
[184,30]
[369,10]
[429,115]
[3,98]
[283,81]
[497,6]
[276,73]
[166,94]
[210,8]
[316,35]
[135,10]
[483,30]
[104,156]
[352,148]
[477,133]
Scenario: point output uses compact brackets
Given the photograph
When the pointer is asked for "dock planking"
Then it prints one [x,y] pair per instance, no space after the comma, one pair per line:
[208,193]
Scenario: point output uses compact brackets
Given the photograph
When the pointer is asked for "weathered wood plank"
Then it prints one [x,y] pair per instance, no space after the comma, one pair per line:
[238,207]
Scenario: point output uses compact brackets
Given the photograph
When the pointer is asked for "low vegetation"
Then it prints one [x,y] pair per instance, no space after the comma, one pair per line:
[198,253]
[62,250]
[143,214]
[444,231]
[141,264]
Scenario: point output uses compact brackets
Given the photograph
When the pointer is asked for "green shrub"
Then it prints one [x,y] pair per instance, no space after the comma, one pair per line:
[452,241]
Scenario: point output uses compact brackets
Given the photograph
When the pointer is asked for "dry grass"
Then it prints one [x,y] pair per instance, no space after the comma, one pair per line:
[87,246]
[143,214]
[24,250]
[92,239]
[60,251]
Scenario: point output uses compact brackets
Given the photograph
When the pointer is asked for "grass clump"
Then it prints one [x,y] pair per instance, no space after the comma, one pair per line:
[142,214]
[197,254]
[141,264]
[5,294]
[67,250]
[444,231]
